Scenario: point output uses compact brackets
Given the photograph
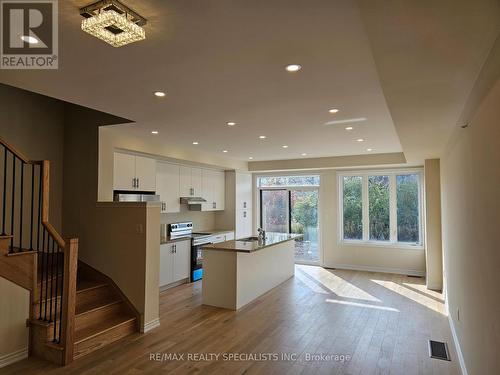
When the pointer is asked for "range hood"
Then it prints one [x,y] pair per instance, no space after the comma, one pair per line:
[192,200]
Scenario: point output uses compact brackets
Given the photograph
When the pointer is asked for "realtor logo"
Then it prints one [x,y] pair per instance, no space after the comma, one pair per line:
[29,34]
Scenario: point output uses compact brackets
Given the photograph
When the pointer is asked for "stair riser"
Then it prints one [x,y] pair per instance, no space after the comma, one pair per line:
[97,342]
[4,246]
[95,294]
[85,319]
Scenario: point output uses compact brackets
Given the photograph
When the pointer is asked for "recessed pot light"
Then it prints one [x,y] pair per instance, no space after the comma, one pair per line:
[349,128]
[195,143]
[250,157]
[159,94]
[231,123]
[360,140]
[29,39]
[333,110]
[293,68]
[284,146]
[224,151]
[304,154]
[154,132]
[262,137]
[369,149]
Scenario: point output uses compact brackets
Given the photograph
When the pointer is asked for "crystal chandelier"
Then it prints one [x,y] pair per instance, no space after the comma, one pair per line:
[113,23]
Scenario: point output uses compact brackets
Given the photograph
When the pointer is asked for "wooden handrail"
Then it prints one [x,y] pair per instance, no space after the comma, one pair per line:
[15,151]
[69,298]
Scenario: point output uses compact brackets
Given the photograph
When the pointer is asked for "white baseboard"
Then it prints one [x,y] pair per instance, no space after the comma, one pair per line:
[150,325]
[378,269]
[11,358]
[457,346]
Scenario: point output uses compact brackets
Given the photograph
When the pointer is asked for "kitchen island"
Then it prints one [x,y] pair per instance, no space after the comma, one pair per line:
[237,272]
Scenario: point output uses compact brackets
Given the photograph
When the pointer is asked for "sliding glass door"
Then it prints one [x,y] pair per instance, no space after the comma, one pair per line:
[293,210]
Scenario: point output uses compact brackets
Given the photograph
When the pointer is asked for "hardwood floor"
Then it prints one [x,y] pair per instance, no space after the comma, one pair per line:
[381,321]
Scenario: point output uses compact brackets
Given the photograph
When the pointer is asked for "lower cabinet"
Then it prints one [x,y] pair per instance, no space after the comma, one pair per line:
[174,262]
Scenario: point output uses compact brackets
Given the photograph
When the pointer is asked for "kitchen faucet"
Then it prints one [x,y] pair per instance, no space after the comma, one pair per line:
[262,234]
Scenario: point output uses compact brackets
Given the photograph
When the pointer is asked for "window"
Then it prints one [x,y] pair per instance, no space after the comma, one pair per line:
[278,181]
[381,207]
[353,209]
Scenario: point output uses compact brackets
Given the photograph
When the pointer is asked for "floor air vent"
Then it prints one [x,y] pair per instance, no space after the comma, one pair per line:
[439,350]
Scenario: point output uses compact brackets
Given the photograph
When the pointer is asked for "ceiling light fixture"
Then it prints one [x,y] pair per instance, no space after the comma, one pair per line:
[262,137]
[304,154]
[113,23]
[293,68]
[250,157]
[225,151]
[284,146]
[369,149]
[231,123]
[360,140]
[333,110]
[29,39]
[349,128]
[195,143]
[154,132]
[159,94]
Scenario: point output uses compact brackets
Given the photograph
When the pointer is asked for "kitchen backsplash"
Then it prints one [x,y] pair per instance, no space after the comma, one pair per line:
[201,220]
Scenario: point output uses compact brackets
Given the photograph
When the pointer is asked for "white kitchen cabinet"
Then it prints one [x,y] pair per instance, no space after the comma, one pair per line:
[132,172]
[243,191]
[243,227]
[174,262]
[167,187]
[213,190]
[145,172]
[124,172]
[190,182]
[229,236]
[182,260]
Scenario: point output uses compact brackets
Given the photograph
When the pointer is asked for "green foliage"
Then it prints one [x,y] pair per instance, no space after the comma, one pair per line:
[379,203]
[353,209]
[407,200]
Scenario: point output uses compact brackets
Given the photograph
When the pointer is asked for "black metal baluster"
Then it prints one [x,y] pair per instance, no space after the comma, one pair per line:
[39,210]
[4,207]
[41,254]
[21,208]
[32,203]
[46,251]
[56,322]
[13,203]
[52,279]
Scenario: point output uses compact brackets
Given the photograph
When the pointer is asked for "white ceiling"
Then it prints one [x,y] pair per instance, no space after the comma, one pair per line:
[223,60]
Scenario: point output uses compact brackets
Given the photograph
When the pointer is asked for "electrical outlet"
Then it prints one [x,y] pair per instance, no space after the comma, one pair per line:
[139,229]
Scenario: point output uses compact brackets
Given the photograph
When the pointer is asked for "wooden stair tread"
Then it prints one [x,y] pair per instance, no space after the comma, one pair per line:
[84,308]
[18,251]
[102,327]
[84,285]
[6,236]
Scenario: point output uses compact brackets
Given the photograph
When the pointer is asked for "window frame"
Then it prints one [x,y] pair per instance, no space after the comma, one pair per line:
[393,242]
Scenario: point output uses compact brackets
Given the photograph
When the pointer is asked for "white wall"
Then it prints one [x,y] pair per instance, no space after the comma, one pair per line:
[470,178]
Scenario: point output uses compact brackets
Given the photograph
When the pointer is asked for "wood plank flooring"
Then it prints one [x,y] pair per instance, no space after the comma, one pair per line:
[379,322]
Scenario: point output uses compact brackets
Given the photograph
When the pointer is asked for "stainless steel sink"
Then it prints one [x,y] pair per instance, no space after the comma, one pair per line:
[248,239]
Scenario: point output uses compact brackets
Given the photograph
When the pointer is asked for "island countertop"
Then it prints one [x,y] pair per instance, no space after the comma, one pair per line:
[251,246]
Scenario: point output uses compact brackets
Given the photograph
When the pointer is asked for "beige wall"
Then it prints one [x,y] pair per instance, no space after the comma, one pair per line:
[14,310]
[433,241]
[470,177]
[34,124]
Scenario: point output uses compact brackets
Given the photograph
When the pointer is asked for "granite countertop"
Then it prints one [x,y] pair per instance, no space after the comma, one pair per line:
[215,232]
[251,246]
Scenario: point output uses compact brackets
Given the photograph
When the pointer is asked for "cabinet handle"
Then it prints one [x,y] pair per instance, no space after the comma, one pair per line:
[244,204]
[175,249]
[138,183]
[214,205]
[244,214]
[133,182]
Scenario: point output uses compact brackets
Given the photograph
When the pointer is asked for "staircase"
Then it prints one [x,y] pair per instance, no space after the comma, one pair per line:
[74,309]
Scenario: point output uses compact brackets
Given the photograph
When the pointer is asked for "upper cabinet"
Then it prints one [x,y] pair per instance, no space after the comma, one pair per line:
[168,186]
[133,172]
[190,182]
[243,191]
[213,190]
